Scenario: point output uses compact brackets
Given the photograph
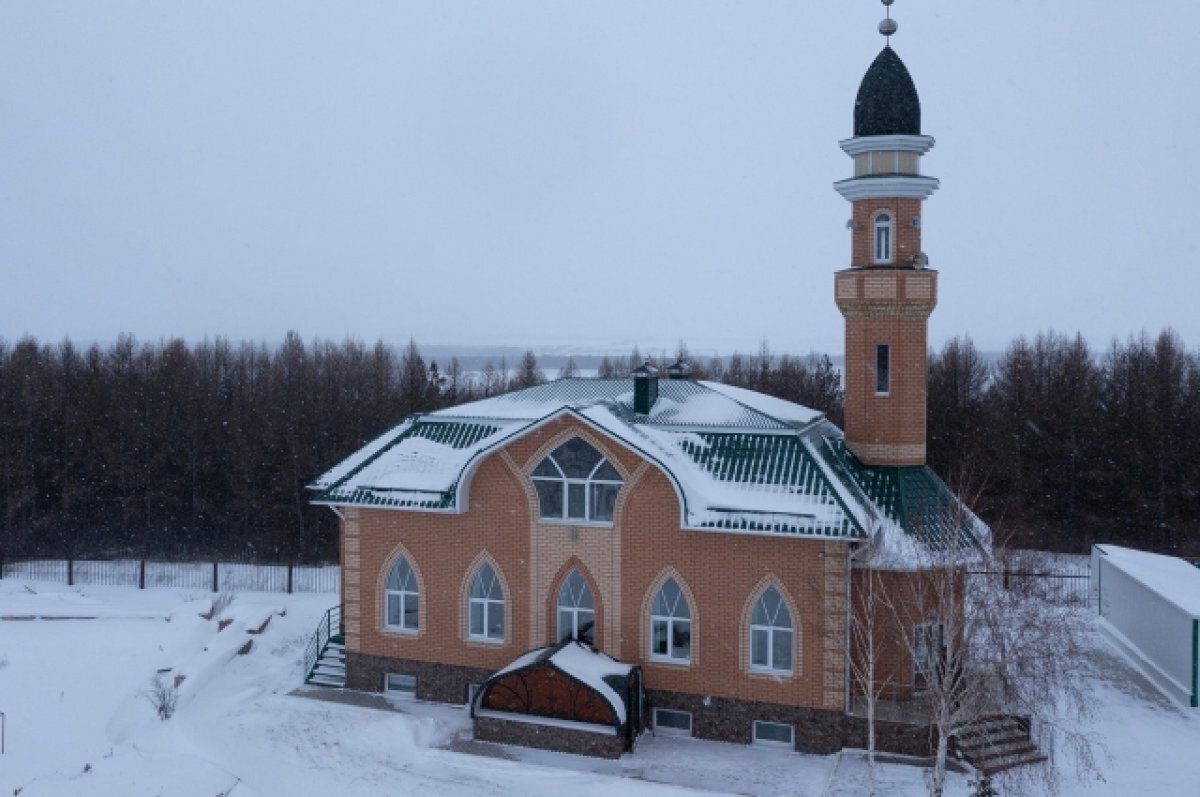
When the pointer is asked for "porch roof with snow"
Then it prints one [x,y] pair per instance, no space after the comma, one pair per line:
[741,461]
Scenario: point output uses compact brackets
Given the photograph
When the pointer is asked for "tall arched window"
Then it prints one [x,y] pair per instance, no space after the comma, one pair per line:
[671,624]
[575,483]
[486,606]
[883,238]
[576,610]
[403,597]
[771,634]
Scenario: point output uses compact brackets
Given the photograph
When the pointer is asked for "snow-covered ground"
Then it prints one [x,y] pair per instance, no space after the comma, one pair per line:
[77,722]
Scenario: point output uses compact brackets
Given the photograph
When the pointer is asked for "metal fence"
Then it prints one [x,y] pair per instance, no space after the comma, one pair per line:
[1064,586]
[208,576]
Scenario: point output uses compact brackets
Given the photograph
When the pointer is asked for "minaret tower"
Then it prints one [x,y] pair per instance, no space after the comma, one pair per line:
[888,292]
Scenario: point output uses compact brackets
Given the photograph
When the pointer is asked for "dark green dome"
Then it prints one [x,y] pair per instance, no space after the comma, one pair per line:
[887,102]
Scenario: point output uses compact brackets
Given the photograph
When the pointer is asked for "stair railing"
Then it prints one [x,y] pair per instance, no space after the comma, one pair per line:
[329,627]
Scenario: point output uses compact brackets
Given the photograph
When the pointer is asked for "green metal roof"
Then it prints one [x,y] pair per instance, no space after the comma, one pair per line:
[913,497]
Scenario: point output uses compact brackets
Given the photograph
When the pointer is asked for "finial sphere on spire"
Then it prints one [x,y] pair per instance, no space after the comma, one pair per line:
[887,2]
[888,26]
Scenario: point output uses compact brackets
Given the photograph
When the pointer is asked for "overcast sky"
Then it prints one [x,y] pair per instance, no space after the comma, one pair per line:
[592,174]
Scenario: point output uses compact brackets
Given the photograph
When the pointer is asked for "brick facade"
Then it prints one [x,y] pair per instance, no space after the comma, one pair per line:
[886,305]
[624,563]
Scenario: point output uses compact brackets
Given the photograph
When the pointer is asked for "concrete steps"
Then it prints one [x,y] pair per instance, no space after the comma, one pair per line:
[995,744]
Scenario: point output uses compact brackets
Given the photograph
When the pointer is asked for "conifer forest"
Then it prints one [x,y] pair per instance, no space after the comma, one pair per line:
[205,449]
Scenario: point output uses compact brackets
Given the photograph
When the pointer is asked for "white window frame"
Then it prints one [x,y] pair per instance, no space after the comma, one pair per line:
[886,350]
[588,484]
[883,238]
[670,621]
[789,745]
[401,595]
[773,631]
[402,692]
[924,672]
[579,615]
[670,730]
[488,604]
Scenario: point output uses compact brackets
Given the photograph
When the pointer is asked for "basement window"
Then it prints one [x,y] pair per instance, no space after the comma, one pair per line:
[883,369]
[775,734]
[668,721]
[398,685]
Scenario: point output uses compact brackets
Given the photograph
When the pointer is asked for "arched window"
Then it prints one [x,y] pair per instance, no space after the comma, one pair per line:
[883,238]
[576,483]
[486,606]
[403,597]
[671,624]
[771,634]
[576,610]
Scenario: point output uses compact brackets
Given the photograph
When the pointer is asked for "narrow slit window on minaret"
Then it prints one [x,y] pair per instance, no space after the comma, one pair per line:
[883,371]
[883,238]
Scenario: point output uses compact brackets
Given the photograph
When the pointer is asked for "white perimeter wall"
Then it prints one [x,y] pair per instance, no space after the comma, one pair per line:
[1158,629]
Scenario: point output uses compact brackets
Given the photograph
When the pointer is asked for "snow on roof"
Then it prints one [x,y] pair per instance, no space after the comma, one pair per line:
[582,662]
[355,460]
[786,411]
[1169,576]
[741,461]
[591,667]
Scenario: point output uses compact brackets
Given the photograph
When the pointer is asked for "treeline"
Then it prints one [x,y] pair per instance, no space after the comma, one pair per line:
[1061,446]
[205,449]
[170,448]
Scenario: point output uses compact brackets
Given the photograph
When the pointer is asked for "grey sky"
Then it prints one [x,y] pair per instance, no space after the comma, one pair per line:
[586,174]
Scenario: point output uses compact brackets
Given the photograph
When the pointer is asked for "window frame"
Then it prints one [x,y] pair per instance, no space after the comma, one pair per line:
[790,744]
[925,673]
[670,621]
[404,693]
[772,632]
[590,485]
[401,594]
[883,238]
[489,604]
[883,369]
[671,730]
[575,611]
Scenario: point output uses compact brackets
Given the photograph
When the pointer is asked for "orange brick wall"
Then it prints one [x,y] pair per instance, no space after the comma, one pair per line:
[902,600]
[624,563]
[907,239]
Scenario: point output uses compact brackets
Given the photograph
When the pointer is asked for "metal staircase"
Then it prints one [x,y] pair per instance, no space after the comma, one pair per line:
[325,658]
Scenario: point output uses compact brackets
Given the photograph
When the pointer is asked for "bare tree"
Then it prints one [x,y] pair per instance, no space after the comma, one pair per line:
[981,652]
[870,681]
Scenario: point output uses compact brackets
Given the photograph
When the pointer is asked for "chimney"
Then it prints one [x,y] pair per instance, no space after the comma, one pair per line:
[645,388]
[679,370]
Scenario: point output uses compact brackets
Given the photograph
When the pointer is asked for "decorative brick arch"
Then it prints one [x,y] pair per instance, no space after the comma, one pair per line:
[551,601]
[606,447]
[464,595]
[770,580]
[668,572]
[380,594]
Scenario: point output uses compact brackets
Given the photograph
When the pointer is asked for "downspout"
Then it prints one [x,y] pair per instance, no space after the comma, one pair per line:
[1195,663]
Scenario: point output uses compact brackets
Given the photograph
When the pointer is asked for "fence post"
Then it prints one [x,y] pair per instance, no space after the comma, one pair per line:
[290,566]
[142,574]
[215,578]
[70,572]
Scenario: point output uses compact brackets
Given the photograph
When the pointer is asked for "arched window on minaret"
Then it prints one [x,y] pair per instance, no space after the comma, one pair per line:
[883,238]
